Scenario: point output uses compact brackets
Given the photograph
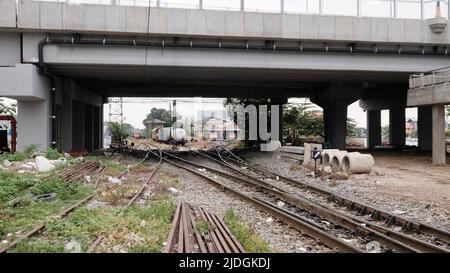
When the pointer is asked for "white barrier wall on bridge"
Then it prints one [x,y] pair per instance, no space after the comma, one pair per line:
[134,20]
[8,13]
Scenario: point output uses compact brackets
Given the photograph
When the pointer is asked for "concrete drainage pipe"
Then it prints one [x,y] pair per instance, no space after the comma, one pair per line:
[336,161]
[357,163]
[327,156]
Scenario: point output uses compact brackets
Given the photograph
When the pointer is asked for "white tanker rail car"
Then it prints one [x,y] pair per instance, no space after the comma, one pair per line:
[170,135]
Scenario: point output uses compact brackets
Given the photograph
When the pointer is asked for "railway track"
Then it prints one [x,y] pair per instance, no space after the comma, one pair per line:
[297,222]
[77,172]
[421,237]
[331,226]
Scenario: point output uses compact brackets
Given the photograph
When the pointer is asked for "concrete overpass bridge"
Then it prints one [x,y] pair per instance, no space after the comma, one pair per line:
[62,61]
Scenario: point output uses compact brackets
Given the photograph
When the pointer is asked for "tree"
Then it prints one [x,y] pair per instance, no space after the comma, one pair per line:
[448,110]
[161,114]
[119,132]
[5,109]
[351,127]
[301,121]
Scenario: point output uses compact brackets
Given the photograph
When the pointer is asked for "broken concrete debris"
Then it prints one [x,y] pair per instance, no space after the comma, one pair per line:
[43,164]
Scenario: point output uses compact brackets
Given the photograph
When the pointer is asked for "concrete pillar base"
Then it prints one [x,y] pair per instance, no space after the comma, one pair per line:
[397,127]
[424,128]
[373,128]
[33,124]
[439,146]
[335,124]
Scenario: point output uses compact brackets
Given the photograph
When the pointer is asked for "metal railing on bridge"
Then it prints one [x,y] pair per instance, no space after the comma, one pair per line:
[434,77]
[414,9]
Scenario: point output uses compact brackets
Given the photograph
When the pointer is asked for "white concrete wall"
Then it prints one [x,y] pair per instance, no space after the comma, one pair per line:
[187,22]
[33,123]
[8,13]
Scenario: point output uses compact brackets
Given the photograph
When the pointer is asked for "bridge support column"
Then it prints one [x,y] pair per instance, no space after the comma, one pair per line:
[335,124]
[33,123]
[397,127]
[424,127]
[439,139]
[373,128]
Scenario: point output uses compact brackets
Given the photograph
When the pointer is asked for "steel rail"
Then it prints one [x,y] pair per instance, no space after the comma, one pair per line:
[363,209]
[303,227]
[338,218]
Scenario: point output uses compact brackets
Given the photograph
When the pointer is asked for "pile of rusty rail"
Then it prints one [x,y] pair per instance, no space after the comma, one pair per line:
[195,230]
[79,171]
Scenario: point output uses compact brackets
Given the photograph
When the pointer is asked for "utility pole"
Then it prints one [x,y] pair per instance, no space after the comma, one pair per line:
[116,112]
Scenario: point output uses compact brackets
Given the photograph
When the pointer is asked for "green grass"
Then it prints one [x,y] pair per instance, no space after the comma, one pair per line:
[113,165]
[12,185]
[53,154]
[151,224]
[248,238]
[19,156]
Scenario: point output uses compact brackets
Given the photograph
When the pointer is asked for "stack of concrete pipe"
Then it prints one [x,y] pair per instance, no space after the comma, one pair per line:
[348,162]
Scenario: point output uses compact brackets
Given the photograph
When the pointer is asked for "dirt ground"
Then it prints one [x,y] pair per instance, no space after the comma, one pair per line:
[412,176]
[404,183]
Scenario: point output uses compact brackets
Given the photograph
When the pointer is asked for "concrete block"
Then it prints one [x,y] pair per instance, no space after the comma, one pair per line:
[429,36]
[51,15]
[137,21]
[420,96]
[413,30]
[215,23]
[290,26]
[442,94]
[116,18]
[362,29]
[73,17]
[254,24]
[30,46]
[293,150]
[345,29]
[309,147]
[8,13]
[196,22]
[379,30]
[28,16]
[272,25]
[396,30]
[309,27]
[327,27]
[234,23]
[176,20]
[23,81]
[94,17]
[10,48]
[157,20]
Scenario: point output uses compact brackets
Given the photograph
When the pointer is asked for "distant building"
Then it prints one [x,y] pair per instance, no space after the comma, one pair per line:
[217,128]
[410,127]
[151,124]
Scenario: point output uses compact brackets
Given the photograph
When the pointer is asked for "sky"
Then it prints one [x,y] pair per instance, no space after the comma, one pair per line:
[135,110]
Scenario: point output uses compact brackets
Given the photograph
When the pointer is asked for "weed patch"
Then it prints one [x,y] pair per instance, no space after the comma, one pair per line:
[248,238]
